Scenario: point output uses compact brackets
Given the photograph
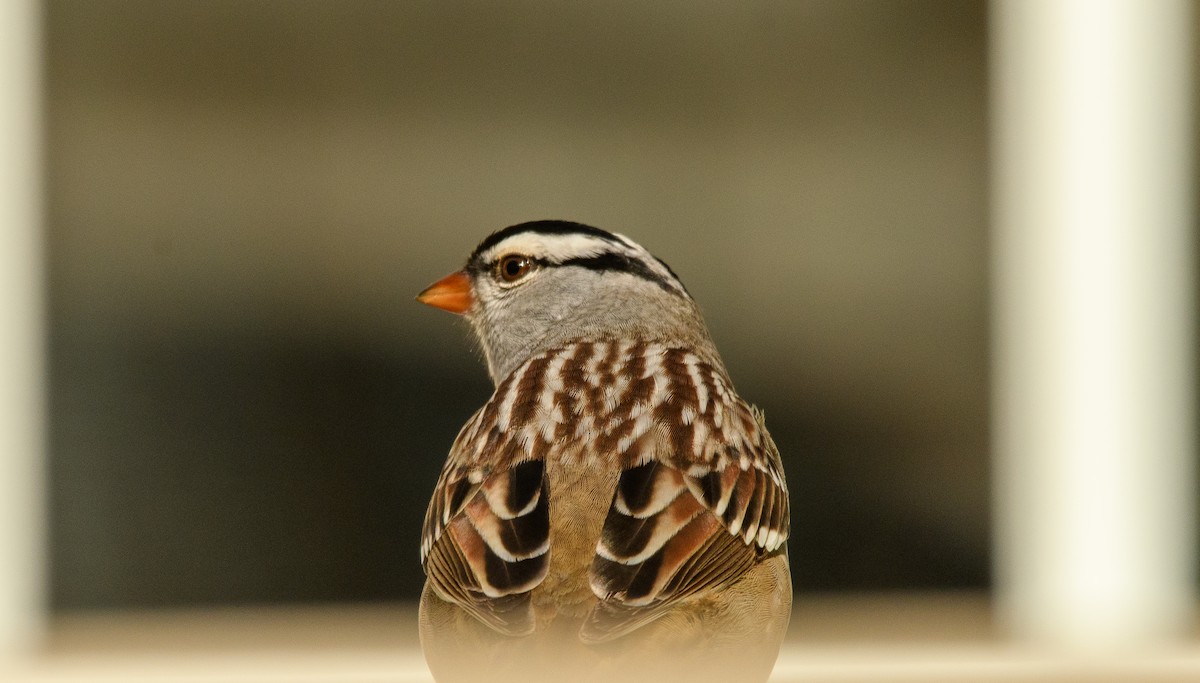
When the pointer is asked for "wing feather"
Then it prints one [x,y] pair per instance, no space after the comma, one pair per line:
[700,498]
[704,502]
[486,539]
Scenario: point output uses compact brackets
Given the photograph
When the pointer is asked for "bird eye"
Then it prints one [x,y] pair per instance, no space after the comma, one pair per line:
[513,267]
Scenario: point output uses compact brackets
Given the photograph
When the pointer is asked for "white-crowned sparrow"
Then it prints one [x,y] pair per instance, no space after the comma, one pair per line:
[615,511]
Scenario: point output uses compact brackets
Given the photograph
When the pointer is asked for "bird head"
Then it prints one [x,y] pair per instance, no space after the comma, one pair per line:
[533,286]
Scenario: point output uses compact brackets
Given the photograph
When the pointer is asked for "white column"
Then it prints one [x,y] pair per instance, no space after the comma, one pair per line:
[21,322]
[1093,311]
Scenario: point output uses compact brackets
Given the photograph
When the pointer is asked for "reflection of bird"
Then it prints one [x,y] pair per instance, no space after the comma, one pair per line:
[615,510]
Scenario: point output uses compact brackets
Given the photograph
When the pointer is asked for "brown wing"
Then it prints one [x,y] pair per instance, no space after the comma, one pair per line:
[701,497]
[687,521]
[485,543]
[494,547]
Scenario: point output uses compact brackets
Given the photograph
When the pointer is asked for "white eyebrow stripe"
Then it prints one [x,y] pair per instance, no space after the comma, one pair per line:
[566,247]
[554,248]
[626,241]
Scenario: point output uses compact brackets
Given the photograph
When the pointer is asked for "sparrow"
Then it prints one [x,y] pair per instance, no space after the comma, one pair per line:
[615,511]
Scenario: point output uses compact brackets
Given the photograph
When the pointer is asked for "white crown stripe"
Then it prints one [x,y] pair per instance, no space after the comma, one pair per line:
[566,247]
[554,248]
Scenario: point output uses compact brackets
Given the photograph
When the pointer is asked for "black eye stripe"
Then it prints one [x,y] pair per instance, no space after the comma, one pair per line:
[621,255]
[614,262]
[607,262]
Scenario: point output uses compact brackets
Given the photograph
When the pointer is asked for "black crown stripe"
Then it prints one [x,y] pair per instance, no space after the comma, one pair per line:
[609,261]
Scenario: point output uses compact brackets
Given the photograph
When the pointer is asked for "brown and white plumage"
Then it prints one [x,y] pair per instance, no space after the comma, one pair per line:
[614,504]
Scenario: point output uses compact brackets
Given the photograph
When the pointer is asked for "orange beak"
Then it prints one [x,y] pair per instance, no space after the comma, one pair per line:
[451,293]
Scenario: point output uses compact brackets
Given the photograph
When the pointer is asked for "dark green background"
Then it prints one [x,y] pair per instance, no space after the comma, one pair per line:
[244,196]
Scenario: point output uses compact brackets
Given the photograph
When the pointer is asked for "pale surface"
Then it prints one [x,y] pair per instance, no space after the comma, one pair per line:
[944,637]
[21,413]
[1093,341]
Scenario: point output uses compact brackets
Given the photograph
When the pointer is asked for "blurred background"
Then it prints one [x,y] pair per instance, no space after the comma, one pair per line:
[242,198]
